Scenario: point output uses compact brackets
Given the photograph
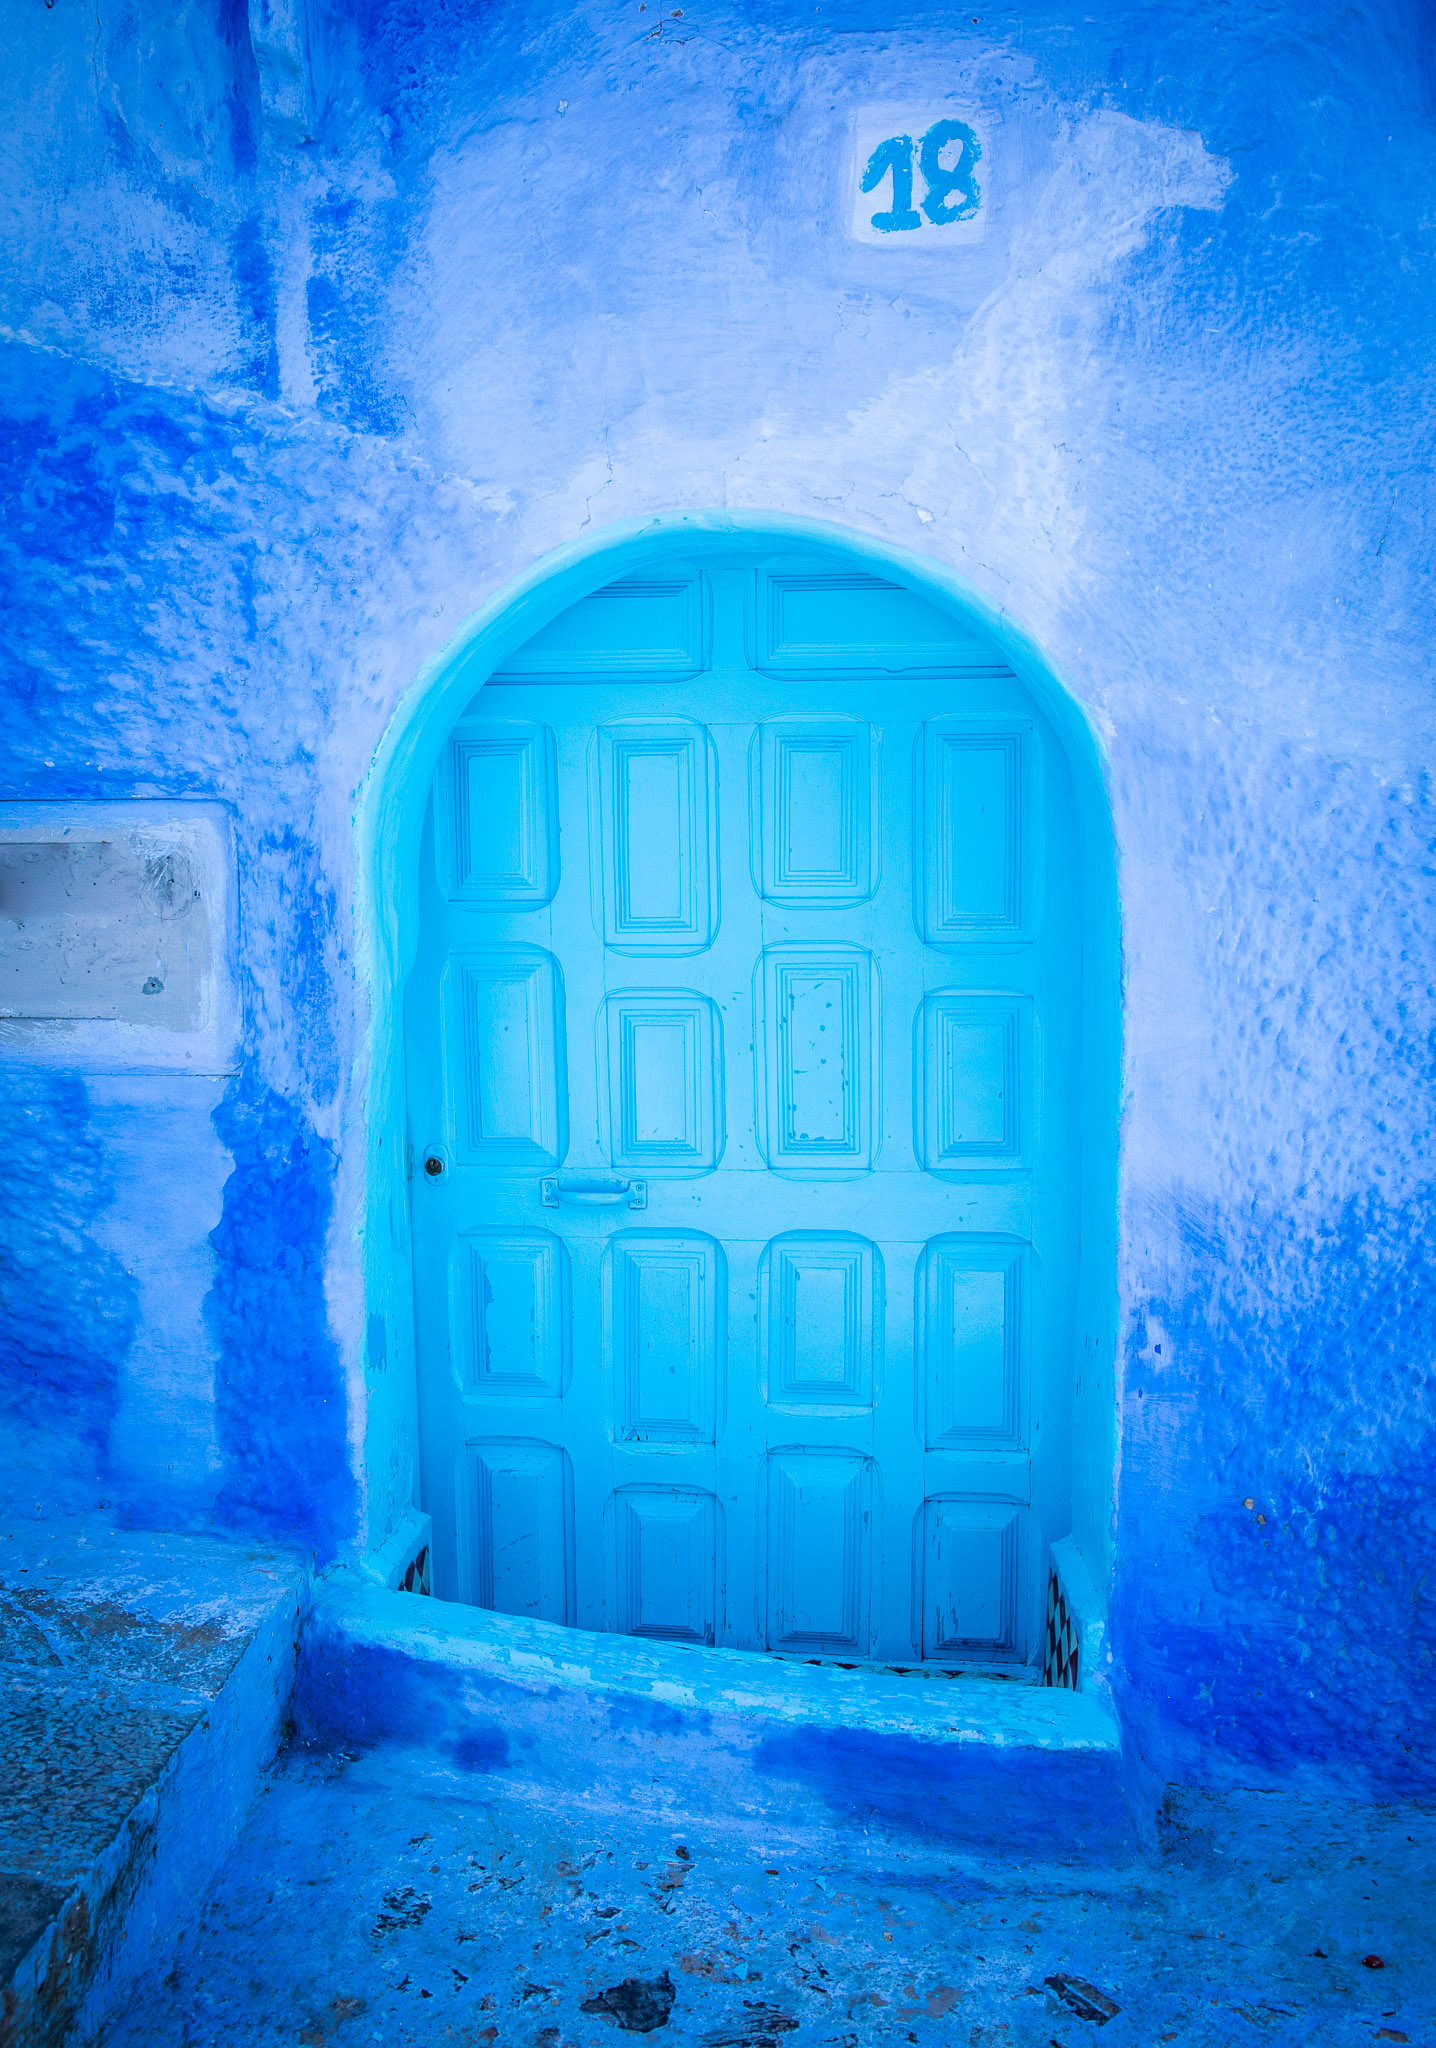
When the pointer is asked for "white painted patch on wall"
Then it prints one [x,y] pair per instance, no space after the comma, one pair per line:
[918,176]
[976,445]
[116,936]
[166,1168]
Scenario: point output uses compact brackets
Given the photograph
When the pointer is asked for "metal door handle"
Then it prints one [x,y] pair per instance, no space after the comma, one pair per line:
[594,1193]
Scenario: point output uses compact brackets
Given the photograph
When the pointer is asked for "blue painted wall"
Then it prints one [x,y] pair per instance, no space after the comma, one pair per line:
[321,323]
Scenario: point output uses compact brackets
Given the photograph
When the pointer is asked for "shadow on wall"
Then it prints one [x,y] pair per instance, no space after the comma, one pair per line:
[279,1392]
[67,1306]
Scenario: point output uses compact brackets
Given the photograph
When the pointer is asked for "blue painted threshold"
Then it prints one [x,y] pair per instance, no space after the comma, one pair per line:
[604,1722]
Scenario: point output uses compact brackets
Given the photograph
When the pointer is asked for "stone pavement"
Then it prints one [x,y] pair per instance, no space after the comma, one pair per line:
[385,1899]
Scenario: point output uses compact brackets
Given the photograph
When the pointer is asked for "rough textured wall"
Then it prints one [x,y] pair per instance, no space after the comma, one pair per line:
[323,321]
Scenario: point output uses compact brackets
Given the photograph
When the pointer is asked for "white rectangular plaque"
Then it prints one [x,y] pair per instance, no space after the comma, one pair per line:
[116,936]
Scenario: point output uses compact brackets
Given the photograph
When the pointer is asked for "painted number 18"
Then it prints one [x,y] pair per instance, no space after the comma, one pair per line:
[951,193]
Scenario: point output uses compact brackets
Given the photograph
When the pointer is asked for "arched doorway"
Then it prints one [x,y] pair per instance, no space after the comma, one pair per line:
[756,1046]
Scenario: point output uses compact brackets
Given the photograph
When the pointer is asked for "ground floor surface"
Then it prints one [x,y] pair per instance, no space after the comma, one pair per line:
[386,1899]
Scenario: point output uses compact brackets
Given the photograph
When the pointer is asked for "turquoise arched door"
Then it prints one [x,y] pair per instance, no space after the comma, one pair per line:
[743,1073]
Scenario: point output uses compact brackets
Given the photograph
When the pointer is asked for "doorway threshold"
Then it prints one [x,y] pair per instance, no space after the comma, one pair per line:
[604,1720]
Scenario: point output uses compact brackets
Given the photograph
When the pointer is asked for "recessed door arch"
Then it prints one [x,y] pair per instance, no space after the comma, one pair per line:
[758,1020]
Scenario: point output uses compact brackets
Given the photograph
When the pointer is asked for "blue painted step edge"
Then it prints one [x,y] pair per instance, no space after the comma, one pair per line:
[604,1719]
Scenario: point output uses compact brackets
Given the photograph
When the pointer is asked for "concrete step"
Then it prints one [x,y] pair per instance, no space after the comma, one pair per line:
[611,1721]
[144,1683]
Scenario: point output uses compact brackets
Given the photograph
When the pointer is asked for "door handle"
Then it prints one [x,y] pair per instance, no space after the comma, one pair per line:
[593,1192]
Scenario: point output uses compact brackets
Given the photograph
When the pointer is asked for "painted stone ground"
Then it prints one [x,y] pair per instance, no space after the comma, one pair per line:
[381,1900]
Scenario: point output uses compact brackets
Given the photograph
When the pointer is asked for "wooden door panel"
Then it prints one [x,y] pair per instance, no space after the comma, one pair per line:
[505,1057]
[657,837]
[511,1314]
[660,1082]
[665,1296]
[820,1551]
[820,1308]
[816,1033]
[812,789]
[496,815]
[521,1528]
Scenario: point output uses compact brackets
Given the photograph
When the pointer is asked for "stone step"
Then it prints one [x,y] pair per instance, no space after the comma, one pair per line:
[971,1762]
[144,1683]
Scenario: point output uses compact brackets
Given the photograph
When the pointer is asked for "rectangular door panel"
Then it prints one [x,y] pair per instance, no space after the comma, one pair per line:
[642,629]
[669,1545]
[504,1057]
[974,1320]
[820,1523]
[815,1031]
[970,1566]
[973,1075]
[976,833]
[511,1314]
[854,625]
[821,1305]
[811,811]
[495,816]
[665,1313]
[657,855]
[520,1514]
[661,1081]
